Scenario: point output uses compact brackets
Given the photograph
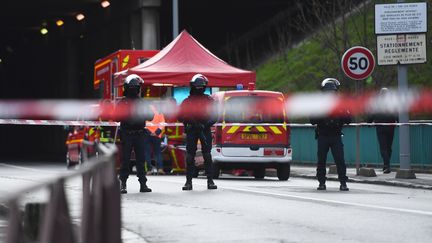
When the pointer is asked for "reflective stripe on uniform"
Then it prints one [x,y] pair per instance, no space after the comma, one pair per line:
[106,140]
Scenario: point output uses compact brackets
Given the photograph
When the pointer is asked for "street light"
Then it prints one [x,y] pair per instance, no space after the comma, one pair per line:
[44,31]
[59,22]
[80,16]
[105,4]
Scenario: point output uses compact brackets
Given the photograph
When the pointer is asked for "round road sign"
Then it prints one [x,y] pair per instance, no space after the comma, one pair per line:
[358,63]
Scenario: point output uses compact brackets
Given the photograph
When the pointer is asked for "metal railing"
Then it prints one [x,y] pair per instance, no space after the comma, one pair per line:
[101,211]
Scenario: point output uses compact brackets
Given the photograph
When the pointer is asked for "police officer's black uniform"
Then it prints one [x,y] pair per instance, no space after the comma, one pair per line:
[385,134]
[197,127]
[329,136]
[133,135]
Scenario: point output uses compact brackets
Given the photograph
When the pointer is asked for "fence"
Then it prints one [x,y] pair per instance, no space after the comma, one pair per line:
[305,149]
[100,215]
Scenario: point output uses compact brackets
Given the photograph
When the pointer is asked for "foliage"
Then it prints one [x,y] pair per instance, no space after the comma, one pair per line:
[302,67]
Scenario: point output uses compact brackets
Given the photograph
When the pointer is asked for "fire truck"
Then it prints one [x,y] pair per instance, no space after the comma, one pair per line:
[106,67]
[80,138]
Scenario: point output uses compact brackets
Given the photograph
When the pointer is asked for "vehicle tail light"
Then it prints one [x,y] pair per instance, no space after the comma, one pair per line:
[273,151]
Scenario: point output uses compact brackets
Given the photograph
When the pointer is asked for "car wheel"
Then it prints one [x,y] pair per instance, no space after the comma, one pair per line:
[259,173]
[216,171]
[283,172]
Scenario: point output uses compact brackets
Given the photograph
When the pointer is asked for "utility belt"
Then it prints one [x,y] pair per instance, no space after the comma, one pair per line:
[327,133]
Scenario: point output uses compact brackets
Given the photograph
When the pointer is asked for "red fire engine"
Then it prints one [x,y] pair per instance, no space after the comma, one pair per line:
[104,70]
[120,60]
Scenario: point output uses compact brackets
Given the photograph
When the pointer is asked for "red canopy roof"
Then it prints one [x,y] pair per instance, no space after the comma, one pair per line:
[184,57]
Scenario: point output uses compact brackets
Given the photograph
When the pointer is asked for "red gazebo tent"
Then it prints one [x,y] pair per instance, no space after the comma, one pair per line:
[184,57]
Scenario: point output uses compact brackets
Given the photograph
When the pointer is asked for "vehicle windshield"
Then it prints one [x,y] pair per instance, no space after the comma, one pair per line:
[253,109]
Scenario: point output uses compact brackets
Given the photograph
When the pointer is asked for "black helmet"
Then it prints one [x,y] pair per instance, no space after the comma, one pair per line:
[199,81]
[330,84]
[132,85]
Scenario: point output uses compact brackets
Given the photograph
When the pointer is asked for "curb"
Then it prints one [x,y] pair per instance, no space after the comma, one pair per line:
[385,183]
[271,173]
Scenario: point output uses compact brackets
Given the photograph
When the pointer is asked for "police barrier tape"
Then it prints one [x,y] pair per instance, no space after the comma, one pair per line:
[300,105]
[115,124]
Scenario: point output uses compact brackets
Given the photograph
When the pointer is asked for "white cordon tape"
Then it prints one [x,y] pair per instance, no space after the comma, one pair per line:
[115,124]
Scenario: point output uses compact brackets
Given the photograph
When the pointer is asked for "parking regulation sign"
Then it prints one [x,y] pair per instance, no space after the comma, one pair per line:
[358,63]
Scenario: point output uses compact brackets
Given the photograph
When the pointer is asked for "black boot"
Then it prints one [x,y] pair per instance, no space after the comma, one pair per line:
[144,188]
[321,187]
[123,187]
[386,169]
[187,186]
[210,184]
[343,187]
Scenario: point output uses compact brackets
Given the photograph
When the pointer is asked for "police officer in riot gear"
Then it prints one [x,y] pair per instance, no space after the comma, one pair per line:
[197,117]
[329,136]
[133,135]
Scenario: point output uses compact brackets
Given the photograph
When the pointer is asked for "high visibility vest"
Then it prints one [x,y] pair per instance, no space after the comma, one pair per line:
[158,119]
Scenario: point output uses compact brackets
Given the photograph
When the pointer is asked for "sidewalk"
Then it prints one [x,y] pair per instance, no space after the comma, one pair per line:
[422,181]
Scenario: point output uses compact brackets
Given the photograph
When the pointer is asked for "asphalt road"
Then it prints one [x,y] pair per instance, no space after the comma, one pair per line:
[248,210]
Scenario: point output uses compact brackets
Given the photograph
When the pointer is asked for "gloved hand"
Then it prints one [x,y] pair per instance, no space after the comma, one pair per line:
[158,131]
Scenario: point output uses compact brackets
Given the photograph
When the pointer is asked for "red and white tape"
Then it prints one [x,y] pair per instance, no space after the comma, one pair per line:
[115,124]
[301,105]
[58,123]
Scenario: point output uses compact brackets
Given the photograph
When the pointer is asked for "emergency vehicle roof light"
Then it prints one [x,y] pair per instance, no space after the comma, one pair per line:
[105,4]
[80,16]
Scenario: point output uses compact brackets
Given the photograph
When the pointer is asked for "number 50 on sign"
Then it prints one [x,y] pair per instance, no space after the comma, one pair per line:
[358,63]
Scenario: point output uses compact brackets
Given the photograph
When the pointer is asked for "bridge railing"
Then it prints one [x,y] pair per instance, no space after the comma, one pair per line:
[100,214]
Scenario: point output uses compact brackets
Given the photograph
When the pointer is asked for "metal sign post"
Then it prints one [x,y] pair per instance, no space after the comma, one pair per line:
[404,137]
[358,63]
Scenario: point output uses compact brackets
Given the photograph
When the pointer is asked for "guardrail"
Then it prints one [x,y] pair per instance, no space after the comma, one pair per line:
[101,211]
[363,147]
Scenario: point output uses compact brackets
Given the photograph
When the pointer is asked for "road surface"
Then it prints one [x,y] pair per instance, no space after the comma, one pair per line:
[245,210]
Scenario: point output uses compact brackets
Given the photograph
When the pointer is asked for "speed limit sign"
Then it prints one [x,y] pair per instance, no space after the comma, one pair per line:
[358,63]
